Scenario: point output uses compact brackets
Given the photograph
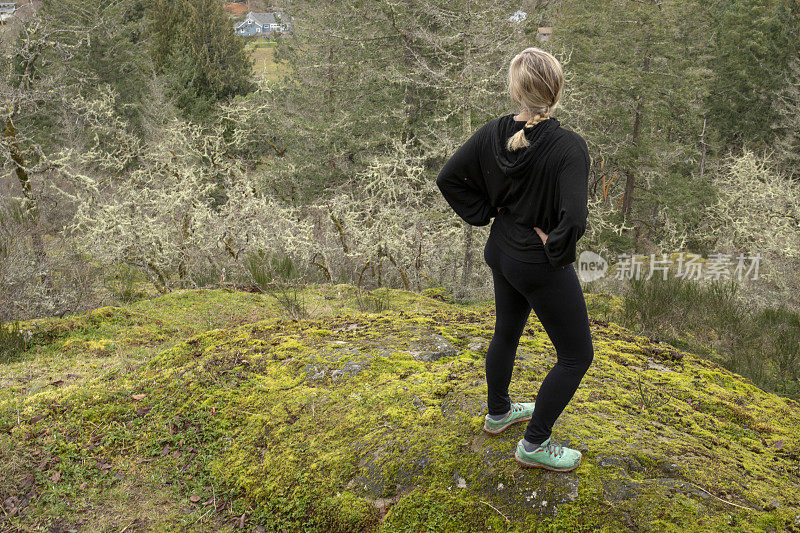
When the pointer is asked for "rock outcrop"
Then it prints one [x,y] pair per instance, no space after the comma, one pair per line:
[355,421]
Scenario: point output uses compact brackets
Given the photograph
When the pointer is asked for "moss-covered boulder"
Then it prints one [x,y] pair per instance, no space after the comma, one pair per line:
[237,417]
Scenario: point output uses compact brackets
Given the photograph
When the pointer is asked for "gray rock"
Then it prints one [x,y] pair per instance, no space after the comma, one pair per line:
[658,367]
[350,369]
[478,345]
[418,404]
[326,363]
[622,462]
[432,347]
[620,489]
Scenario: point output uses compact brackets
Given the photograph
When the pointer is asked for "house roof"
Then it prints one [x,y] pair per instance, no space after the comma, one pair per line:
[265,19]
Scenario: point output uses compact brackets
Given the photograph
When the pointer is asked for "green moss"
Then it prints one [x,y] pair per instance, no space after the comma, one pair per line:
[95,347]
[326,423]
[439,509]
[439,293]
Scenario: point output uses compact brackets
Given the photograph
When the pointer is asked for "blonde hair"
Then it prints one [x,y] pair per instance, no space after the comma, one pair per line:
[535,83]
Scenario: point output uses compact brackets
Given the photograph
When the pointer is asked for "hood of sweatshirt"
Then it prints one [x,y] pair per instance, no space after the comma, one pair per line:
[514,164]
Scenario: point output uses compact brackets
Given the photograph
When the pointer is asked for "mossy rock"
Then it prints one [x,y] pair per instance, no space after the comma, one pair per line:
[348,422]
[439,293]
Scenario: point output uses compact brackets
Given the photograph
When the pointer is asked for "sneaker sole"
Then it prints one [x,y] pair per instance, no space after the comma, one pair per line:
[503,428]
[551,468]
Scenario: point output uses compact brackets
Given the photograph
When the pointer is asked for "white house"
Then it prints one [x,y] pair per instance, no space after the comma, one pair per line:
[263,24]
[7,10]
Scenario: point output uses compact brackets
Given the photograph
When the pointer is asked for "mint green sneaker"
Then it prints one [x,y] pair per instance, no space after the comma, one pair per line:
[520,412]
[549,456]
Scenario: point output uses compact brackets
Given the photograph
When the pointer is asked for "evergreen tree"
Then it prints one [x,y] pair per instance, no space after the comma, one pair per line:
[755,41]
[787,124]
[786,104]
[76,49]
[639,77]
[193,44]
[428,71]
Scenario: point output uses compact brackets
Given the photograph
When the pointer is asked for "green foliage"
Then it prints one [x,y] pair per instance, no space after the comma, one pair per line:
[775,334]
[762,344]
[787,125]
[640,130]
[123,283]
[754,42]
[164,20]
[76,48]
[679,201]
[439,293]
[278,276]
[195,47]
[375,301]
[12,341]
[420,73]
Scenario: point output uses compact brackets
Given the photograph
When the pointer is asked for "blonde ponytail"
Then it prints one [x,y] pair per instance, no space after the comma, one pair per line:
[535,83]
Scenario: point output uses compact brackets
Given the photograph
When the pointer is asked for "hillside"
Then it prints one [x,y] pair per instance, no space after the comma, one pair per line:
[210,410]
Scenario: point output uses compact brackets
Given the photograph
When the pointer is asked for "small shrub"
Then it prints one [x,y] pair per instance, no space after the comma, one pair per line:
[123,284]
[776,339]
[278,276]
[376,301]
[708,319]
[12,341]
[439,293]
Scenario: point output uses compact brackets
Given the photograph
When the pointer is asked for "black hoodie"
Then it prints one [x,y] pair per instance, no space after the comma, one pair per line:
[544,185]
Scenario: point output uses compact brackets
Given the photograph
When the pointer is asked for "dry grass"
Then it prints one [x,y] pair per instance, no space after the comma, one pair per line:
[265,64]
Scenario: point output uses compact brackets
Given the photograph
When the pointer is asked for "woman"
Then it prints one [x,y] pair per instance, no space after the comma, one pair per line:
[530,175]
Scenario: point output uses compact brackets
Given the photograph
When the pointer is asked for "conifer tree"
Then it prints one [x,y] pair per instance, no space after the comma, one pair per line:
[787,124]
[194,45]
[641,76]
[754,43]
[426,71]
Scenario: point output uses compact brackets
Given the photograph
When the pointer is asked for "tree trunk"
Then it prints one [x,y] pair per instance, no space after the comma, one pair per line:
[466,272]
[630,175]
[410,98]
[703,149]
[31,206]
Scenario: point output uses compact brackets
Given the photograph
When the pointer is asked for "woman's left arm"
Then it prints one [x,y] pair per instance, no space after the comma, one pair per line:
[462,183]
[560,244]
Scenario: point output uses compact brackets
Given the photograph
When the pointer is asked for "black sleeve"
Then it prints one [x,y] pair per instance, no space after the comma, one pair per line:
[573,191]
[462,184]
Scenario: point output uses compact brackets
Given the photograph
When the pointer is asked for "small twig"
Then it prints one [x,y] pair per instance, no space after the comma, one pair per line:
[496,509]
[720,499]
[126,527]
[704,490]
[202,517]
[384,425]
[191,458]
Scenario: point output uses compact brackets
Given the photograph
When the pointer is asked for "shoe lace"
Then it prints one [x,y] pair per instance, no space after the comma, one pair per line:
[554,449]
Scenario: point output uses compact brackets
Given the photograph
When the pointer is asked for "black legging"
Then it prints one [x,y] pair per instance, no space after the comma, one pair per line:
[556,297]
